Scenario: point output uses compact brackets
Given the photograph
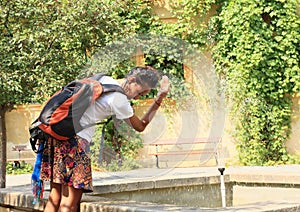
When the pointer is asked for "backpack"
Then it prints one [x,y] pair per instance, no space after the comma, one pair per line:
[60,116]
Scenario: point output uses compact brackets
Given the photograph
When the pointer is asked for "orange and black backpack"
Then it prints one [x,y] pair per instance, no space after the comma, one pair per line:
[60,116]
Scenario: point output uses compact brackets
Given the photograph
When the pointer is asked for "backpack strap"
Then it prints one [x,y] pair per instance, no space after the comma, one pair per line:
[37,136]
[108,87]
[112,88]
[97,76]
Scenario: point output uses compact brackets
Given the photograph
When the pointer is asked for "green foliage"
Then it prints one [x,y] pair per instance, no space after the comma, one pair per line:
[121,142]
[24,168]
[45,44]
[257,53]
[126,165]
[191,21]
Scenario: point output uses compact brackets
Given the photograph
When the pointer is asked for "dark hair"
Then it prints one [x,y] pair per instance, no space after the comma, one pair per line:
[145,74]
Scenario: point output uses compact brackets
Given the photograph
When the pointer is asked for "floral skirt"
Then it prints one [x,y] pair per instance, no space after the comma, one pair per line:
[68,163]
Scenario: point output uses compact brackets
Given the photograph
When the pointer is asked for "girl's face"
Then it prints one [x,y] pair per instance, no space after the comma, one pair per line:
[136,90]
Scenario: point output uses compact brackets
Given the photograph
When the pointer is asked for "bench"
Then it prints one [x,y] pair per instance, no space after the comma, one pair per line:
[213,143]
[16,161]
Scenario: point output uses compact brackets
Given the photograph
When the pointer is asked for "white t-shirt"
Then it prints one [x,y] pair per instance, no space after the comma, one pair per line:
[112,103]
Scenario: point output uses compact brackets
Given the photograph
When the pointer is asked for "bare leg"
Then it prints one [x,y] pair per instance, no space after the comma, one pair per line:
[70,199]
[54,198]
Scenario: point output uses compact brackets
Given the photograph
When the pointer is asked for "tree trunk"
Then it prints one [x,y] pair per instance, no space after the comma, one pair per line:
[2,147]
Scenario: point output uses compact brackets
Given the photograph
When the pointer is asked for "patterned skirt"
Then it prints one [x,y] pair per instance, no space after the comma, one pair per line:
[68,163]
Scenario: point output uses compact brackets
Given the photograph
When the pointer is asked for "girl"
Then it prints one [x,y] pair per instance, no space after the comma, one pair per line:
[67,164]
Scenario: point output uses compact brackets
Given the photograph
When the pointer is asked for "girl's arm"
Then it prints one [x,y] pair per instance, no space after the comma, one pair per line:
[140,124]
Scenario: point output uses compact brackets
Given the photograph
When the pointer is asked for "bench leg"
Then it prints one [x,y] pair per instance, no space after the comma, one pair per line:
[17,164]
[157,166]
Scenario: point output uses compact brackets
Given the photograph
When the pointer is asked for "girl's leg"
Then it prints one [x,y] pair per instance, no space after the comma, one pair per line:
[54,198]
[70,199]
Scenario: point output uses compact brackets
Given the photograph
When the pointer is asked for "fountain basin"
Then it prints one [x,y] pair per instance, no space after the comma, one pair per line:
[203,193]
[247,189]
[191,192]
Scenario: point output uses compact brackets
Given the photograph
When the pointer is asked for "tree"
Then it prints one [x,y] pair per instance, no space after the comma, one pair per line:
[45,44]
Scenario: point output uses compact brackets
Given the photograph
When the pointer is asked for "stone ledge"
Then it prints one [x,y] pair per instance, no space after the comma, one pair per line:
[20,197]
[23,201]
[20,200]
[104,205]
[158,183]
[266,178]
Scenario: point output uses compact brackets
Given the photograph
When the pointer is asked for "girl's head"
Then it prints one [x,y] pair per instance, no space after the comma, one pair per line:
[140,80]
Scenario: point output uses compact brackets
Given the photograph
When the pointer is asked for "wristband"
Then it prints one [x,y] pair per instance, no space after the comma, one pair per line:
[158,104]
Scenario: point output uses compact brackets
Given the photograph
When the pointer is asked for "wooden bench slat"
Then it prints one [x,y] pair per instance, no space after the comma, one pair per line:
[20,148]
[182,153]
[20,159]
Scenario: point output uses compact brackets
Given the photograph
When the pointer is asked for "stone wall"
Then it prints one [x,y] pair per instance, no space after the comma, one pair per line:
[17,125]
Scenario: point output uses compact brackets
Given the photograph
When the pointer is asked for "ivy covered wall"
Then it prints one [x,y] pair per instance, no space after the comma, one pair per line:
[254,46]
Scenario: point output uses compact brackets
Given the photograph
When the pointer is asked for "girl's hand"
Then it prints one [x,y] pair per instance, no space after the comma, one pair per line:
[164,87]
